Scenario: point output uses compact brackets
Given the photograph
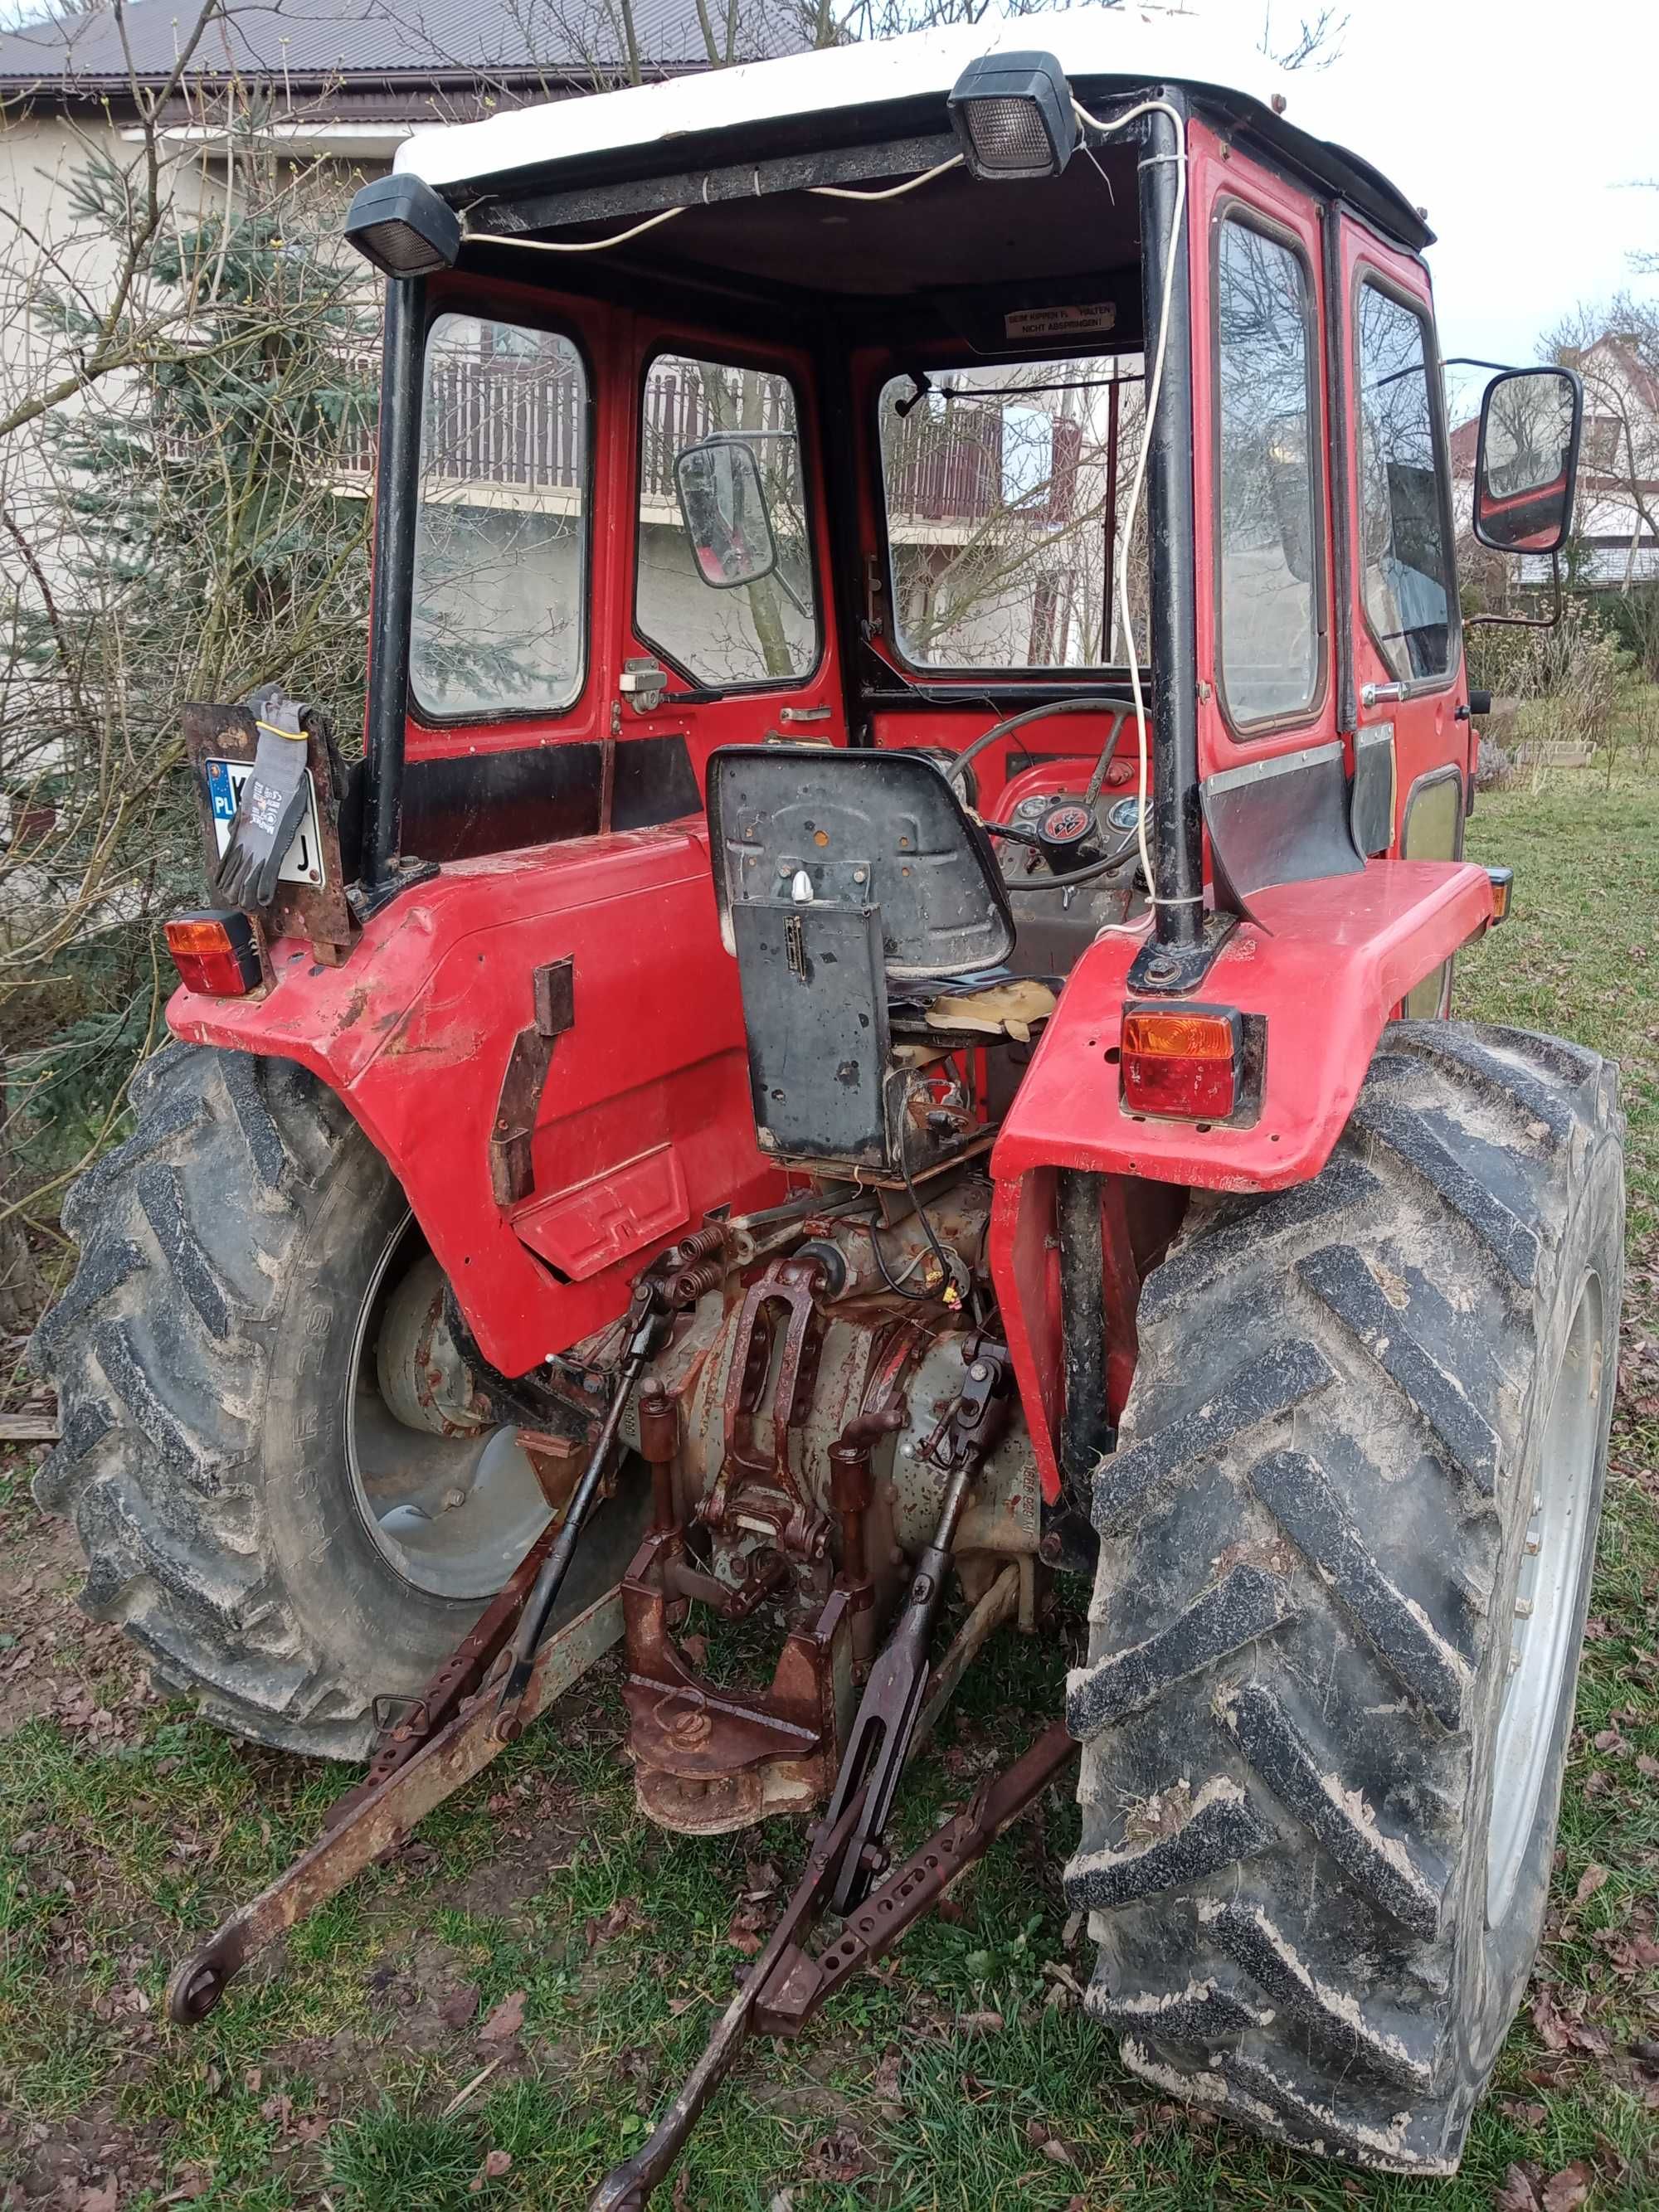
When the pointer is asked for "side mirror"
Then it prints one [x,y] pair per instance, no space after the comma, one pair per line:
[723,506]
[1525,466]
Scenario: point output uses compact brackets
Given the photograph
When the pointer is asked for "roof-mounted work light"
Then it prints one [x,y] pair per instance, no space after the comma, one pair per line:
[1014,115]
[401,225]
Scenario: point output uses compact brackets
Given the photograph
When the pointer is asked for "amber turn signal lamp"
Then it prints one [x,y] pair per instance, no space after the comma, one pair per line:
[1181,1061]
[1502,882]
[215,953]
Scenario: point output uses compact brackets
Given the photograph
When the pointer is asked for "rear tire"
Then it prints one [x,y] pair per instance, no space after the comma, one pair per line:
[1316,1900]
[206,1356]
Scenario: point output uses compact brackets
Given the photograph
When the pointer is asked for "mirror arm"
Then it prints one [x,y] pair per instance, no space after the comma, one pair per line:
[1524,622]
[800,604]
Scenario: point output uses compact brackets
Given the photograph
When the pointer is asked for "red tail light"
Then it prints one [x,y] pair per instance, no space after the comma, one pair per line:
[1183,1063]
[215,953]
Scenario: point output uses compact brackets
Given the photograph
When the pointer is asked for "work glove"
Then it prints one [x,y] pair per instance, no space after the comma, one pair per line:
[273,801]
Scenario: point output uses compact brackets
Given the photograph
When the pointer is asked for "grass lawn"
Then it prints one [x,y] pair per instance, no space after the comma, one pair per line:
[381,2070]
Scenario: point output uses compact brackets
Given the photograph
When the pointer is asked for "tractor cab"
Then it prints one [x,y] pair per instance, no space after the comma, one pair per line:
[874,1023]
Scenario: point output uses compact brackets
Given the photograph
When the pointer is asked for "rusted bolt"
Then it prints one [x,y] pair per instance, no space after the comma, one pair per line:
[979,1371]
[689,1728]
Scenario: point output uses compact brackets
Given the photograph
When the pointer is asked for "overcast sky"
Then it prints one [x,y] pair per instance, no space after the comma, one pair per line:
[1522,127]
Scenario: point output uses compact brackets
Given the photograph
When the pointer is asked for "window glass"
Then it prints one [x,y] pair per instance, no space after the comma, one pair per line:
[1007,492]
[719,453]
[501,536]
[1408,571]
[1269,519]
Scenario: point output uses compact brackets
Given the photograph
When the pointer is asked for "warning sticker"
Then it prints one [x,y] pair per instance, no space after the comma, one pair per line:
[1060,322]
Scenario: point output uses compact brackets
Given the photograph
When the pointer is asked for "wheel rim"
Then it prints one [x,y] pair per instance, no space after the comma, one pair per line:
[452,1515]
[1542,1638]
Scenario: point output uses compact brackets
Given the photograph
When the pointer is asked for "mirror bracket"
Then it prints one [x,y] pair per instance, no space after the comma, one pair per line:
[1550,621]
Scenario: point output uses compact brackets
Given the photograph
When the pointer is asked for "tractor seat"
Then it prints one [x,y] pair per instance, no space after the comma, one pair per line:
[865,909]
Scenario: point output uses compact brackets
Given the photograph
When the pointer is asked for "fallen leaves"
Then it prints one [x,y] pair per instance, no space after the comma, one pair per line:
[1566,2191]
[1042,2137]
[495,2164]
[458,2005]
[623,1918]
[1563,2028]
[506,2022]
[1589,1882]
[745,1933]
[838,2156]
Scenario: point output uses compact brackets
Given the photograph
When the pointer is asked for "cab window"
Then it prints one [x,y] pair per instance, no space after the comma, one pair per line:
[1006,490]
[1267,409]
[1402,504]
[501,534]
[724,575]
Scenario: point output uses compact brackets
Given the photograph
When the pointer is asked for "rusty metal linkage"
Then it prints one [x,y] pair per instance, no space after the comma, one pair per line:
[880,1740]
[385,1814]
[785,1986]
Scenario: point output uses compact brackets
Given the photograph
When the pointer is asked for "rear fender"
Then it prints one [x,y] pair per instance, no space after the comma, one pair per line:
[1324,964]
[645,1121]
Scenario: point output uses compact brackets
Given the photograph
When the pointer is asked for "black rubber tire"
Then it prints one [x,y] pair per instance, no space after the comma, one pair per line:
[202,1355]
[1311,1534]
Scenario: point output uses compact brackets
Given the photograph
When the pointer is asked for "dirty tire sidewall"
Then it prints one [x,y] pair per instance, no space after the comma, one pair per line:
[377,1628]
[1497,1980]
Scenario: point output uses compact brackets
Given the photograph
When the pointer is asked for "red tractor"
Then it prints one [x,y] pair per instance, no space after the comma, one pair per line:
[874,1025]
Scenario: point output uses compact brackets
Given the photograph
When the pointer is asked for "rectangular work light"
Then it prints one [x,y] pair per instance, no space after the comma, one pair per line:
[402,226]
[1013,114]
[1182,1062]
[215,953]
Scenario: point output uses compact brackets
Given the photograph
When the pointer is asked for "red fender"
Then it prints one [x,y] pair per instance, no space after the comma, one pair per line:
[1325,963]
[645,1121]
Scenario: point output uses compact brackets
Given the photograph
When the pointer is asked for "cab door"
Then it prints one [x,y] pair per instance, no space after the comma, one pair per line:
[723,571]
[1401,611]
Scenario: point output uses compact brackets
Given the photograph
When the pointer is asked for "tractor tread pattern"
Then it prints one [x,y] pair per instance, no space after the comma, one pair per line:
[1412,1140]
[153,1336]
[1338,1814]
[1247,1603]
[1345,1286]
[1220,1827]
[1295,1492]
[1291,1619]
[1127,1481]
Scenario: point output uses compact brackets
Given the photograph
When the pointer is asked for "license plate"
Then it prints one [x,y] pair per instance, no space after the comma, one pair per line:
[302,863]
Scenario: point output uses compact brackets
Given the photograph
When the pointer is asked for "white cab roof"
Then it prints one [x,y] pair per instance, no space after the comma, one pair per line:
[1145,44]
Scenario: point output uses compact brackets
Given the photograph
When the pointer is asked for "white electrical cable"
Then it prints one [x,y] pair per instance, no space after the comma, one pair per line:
[570,246]
[889,192]
[601,244]
[1153,388]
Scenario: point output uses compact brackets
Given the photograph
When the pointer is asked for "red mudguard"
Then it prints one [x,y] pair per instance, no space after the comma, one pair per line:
[645,1121]
[1325,964]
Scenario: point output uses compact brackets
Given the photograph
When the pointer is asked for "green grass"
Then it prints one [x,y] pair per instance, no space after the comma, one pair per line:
[327,2082]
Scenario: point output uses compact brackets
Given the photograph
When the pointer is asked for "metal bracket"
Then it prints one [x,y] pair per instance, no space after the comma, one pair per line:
[642,683]
[512,1171]
[1172,971]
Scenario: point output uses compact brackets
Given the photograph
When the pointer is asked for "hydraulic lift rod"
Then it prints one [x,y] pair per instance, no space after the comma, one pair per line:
[649,1319]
